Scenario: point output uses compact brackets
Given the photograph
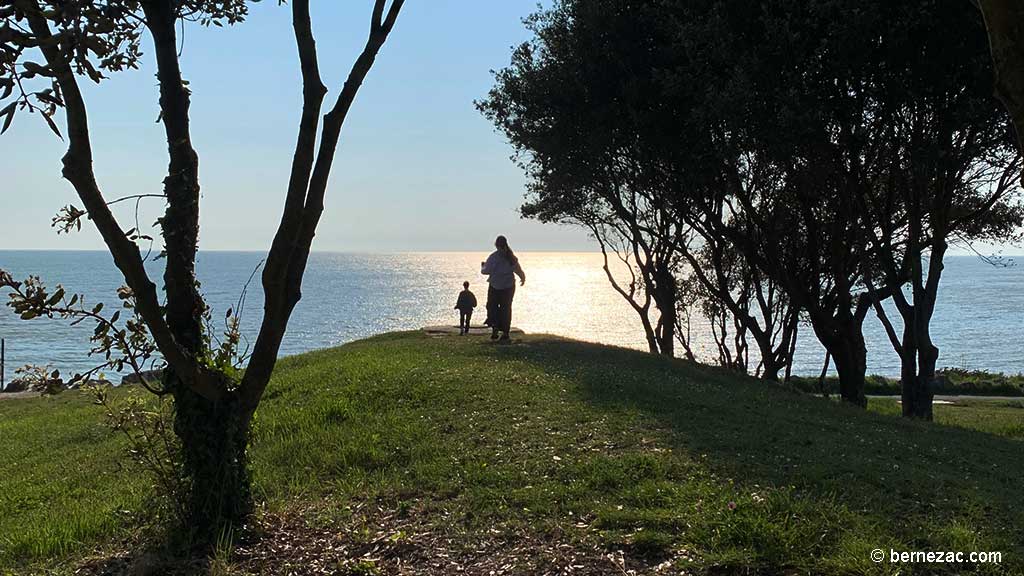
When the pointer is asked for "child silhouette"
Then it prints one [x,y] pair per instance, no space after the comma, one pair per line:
[465,305]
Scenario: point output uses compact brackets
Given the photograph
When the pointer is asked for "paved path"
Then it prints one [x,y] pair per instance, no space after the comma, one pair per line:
[947,399]
[474,330]
[16,395]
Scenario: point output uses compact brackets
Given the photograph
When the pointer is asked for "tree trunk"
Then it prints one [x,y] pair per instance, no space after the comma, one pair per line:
[824,374]
[213,434]
[844,340]
[214,438]
[665,299]
[917,377]
[770,368]
[772,362]
[909,383]
[850,358]
[928,355]
[917,369]
[918,350]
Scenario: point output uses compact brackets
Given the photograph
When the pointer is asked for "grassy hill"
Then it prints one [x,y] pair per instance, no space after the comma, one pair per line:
[404,451]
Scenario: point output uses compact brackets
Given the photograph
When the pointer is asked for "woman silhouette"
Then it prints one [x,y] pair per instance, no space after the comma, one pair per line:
[501,268]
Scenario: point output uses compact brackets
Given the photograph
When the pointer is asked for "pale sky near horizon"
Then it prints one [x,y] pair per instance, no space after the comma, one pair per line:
[418,168]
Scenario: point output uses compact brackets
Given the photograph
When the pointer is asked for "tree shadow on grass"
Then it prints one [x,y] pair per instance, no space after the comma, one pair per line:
[891,471]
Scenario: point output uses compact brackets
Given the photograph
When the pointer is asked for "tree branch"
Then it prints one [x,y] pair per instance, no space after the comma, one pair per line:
[79,171]
[286,263]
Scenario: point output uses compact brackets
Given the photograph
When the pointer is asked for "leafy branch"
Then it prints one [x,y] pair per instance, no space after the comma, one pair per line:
[121,344]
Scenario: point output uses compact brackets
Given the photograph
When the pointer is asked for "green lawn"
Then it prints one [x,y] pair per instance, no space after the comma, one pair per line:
[566,441]
[1002,417]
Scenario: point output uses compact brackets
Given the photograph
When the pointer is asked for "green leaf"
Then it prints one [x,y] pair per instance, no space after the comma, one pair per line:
[53,126]
[57,296]
[9,112]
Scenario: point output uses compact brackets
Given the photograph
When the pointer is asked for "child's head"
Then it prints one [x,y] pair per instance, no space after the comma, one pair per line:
[466,284]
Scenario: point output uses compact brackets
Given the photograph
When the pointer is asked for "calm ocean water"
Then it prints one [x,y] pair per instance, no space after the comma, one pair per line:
[978,323]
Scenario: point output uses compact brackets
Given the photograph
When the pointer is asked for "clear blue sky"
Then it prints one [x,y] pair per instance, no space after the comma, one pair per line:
[418,168]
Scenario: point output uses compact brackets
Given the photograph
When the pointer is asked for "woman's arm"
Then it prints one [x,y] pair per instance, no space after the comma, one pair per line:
[487,266]
[519,272]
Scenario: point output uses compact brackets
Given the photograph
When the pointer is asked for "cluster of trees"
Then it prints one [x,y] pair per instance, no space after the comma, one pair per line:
[759,163]
[47,49]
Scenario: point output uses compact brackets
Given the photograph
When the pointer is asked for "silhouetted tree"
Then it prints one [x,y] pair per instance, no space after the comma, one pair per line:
[769,181]
[573,103]
[731,291]
[916,111]
[214,404]
[855,120]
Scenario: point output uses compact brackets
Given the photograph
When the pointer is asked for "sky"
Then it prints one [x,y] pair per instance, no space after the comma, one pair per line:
[418,168]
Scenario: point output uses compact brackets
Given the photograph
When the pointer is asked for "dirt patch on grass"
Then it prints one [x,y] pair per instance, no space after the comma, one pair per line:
[375,541]
[378,541]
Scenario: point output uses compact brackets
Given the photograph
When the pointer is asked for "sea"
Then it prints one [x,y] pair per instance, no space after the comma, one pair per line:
[978,323]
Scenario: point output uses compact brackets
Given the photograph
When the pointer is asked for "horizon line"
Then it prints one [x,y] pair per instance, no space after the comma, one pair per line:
[385,252]
[253,251]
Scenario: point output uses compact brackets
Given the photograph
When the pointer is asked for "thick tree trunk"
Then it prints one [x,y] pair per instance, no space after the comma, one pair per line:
[214,437]
[771,363]
[918,357]
[770,368]
[908,370]
[850,358]
[918,354]
[844,340]
[922,386]
[775,358]
[928,355]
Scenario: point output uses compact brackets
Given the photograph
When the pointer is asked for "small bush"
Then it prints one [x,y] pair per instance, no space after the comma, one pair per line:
[42,379]
[147,425]
[948,381]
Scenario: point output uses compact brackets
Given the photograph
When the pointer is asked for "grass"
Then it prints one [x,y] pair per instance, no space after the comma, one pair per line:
[662,459]
[60,480]
[1000,417]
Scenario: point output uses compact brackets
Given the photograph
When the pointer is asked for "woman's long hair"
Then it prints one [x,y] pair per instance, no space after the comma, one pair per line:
[501,243]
